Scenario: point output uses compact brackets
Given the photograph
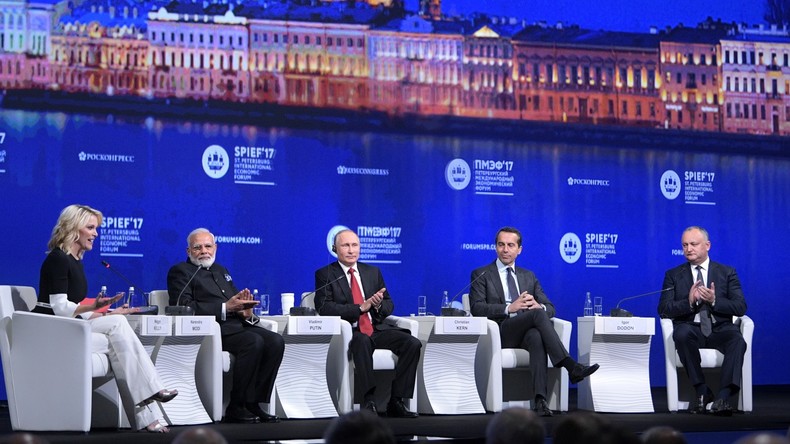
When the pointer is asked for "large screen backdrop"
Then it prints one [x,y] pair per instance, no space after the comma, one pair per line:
[594,218]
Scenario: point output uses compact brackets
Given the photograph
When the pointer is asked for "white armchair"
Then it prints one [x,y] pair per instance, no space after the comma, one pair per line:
[383,362]
[53,380]
[494,365]
[680,390]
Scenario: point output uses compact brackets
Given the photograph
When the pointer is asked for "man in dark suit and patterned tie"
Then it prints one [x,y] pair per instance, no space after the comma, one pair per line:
[705,296]
[356,292]
[513,297]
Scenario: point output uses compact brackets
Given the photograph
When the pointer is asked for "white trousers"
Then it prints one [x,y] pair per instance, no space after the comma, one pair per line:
[134,372]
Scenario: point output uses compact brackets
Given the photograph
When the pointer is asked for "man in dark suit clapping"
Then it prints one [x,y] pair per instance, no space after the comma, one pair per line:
[513,297]
[356,292]
[705,296]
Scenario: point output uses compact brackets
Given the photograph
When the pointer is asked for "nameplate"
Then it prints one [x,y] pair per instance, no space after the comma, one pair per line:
[625,326]
[156,326]
[193,325]
[314,325]
[451,325]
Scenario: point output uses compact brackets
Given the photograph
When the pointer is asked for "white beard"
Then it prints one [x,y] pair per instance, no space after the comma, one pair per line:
[205,263]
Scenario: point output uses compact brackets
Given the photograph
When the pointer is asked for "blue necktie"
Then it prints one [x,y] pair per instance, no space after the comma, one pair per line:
[704,311]
[511,285]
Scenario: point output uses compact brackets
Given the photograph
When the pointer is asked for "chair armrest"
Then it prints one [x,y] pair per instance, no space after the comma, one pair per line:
[268,324]
[40,344]
[747,328]
[405,323]
[563,329]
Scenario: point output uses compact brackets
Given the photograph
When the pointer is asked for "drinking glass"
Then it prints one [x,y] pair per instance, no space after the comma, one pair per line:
[598,306]
[264,305]
[422,306]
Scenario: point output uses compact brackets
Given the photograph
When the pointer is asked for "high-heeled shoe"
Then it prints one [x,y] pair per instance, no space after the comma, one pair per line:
[160,396]
[156,427]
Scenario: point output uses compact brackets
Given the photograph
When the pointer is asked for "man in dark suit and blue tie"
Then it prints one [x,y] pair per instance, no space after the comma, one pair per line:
[362,299]
[705,296]
[513,297]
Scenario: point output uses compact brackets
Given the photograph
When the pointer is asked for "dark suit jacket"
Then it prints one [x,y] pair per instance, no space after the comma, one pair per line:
[674,303]
[209,289]
[487,297]
[335,299]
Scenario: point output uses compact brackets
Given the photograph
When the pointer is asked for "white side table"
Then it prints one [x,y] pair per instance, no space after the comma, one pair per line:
[446,375]
[621,346]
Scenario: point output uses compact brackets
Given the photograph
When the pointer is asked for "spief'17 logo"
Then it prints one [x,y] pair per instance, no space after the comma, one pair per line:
[215,161]
[670,184]
[570,248]
[458,174]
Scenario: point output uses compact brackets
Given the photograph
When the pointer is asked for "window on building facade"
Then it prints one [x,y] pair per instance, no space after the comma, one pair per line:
[652,107]
[638,109]
[727,56]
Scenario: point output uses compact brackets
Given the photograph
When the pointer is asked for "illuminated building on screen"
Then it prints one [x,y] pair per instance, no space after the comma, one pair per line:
[756,73]
[415,66]
[375,55]
[690,94]
[579,75]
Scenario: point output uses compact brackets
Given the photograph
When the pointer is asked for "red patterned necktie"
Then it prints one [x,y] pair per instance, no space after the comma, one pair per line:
[365,326]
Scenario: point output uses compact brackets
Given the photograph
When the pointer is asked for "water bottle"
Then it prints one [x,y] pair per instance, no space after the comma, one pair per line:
[588,308]
[445,300]
[130,297]
[103,292]
[256,310]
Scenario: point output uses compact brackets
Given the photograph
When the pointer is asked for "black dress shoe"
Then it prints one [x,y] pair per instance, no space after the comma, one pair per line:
[370,406]
[397,409]
[541,407]
[580,372]
[721,407]
[256,410]
[239,415]
[698,406]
